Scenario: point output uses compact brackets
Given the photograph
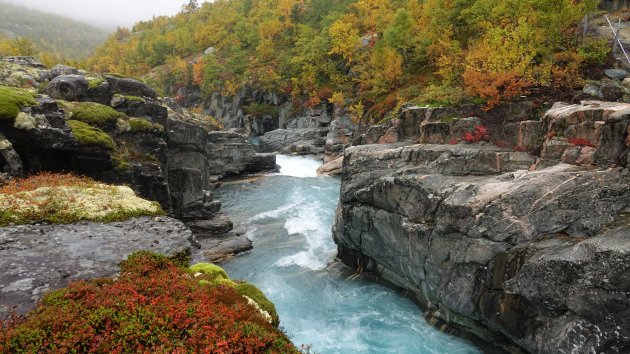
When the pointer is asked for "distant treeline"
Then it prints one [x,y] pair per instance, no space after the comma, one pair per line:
[58,36]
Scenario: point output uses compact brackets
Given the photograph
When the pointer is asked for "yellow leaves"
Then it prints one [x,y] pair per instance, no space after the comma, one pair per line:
[338,99]
[345,38]
[356,112]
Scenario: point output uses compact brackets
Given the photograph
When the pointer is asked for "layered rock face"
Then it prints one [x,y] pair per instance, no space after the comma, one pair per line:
[531,252]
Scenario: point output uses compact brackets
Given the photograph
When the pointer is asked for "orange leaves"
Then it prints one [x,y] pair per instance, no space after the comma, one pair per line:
[44,179]
[495,86]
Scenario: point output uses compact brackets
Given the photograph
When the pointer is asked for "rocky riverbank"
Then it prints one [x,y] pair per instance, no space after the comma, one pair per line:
[117,130]
[529,251]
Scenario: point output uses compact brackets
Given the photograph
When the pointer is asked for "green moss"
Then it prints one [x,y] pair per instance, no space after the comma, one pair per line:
[96,114]
[89,135]
[252,292]
[212,270]
[140,125]
[135,98]
[95,82]
[11,101]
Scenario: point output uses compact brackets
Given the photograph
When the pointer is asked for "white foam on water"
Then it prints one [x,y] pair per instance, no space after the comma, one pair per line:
[298,166]
[308,221]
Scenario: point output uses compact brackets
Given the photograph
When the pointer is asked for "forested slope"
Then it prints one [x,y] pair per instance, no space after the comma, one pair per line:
[379,53]
[57,35]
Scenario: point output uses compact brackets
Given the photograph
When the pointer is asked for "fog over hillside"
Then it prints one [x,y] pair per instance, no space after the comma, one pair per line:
[106,14]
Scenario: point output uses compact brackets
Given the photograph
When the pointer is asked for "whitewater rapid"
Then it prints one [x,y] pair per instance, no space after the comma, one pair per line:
[321,302]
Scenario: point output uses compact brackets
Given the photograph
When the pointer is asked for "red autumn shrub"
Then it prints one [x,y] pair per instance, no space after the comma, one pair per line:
[520,148]
[154,306]
[580,142]
[480,134]
[453,141]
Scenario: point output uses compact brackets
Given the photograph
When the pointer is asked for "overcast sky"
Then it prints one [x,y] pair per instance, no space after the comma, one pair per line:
[108,14]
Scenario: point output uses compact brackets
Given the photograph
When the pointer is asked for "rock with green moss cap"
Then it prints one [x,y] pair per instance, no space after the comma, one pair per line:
[139,125]
[96,114]
[213,275]
[89,135]
[11,102]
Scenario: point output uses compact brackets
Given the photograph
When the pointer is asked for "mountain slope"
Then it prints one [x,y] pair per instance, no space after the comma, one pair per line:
[50,33]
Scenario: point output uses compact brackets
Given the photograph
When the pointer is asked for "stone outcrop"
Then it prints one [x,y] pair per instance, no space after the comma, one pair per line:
[38,258]
[531,252]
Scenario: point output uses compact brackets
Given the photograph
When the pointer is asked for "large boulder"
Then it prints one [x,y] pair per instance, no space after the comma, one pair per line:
[67,87]
[128,86]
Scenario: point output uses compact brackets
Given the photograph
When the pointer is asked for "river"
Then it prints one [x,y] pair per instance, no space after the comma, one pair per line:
[321,302]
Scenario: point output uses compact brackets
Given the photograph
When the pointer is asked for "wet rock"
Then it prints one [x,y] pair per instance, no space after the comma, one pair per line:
[219,224]
[39,258]
[220,249]
[67,87]
[512,255]
[332,168]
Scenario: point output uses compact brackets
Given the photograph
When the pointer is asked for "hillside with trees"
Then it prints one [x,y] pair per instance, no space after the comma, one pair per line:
[378,53]
[26,31]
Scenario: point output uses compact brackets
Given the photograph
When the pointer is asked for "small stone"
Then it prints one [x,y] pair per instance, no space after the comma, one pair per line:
[618,74]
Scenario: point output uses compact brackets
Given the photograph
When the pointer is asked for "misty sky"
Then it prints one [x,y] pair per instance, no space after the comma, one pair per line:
[107,14]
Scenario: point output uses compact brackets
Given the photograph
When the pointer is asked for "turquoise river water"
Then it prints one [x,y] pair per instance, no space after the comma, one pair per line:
[321,302]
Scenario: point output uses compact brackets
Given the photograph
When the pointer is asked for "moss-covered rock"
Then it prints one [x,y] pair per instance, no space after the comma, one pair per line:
[209,269]
[96,114]
[89,135]
[213,275]
[138,125]
[252,292]
[11,101]
[94,82]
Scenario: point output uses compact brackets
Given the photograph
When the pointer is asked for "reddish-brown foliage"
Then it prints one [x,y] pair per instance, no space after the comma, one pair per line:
[453,141]
[480,134]
[520,148]
[153,306]
[580,142]
[44,179]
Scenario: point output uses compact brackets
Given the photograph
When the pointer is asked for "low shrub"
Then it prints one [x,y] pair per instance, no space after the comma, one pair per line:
[96,114]
[89,135]
[153,306]
[11,101]
[480,134]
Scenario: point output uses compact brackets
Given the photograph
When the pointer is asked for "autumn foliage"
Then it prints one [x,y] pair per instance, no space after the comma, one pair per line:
[426,52]
[154,306]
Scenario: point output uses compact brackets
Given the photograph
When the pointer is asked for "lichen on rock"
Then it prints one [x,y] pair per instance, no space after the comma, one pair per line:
[63,199]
